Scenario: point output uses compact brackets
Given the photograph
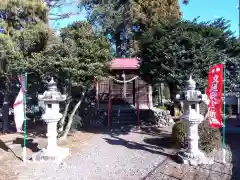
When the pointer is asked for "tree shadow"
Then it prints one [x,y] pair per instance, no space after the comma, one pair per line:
[3,146]
[164,142]
[124,130]
[151,148]
[30,144]
[233,141]
[154,131]
[38,132]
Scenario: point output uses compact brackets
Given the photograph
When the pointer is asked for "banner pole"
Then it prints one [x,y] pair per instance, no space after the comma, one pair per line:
[224,114]
[25,119]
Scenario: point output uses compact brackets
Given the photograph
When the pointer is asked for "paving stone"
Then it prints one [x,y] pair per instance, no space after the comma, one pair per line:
[205,171]
[189,176]
[155,176]
[177,172]
[228,169]
[200,175]
[165,177]
[218,167]
[168,170]
[214,176]
[171,178]
[226,177]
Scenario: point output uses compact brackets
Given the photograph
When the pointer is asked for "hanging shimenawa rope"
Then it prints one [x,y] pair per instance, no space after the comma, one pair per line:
[119,81]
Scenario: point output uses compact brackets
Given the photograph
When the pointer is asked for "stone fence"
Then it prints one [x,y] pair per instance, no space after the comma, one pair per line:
[161,117]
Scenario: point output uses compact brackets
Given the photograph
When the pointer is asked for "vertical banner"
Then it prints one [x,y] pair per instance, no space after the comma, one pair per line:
[18,106]
[215,95]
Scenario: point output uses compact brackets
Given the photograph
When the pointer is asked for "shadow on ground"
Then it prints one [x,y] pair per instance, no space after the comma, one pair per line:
[232,140]
[37,129]
[30,144]
[153,145]
[3,146]
[163,142]
[124,130]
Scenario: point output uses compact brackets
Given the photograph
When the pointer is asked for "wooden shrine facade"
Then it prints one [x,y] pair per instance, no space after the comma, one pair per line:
[124,88]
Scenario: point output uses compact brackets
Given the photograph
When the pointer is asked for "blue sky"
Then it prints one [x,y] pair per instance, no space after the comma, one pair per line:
[212,9]
[66,9]
[206,9]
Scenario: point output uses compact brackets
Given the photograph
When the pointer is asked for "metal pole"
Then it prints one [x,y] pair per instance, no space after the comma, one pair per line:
[238,104]
[25,119]
[238,18]
[109,102]
[224,113]
[138,104]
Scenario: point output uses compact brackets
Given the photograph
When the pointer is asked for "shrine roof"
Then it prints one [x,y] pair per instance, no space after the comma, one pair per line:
[125,63]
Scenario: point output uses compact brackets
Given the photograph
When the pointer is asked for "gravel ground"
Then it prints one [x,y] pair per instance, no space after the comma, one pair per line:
[6,170]
[132,156]
[123,157]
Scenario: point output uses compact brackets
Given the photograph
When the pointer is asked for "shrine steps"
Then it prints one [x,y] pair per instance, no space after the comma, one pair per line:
[123,117]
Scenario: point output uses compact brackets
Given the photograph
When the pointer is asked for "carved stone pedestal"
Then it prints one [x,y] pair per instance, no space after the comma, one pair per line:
[55,156]
[51,116]
[192,118]
[53,152]
[194,159]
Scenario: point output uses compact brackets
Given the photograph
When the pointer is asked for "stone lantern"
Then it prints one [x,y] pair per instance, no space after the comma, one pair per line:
[50,100]
[191,98]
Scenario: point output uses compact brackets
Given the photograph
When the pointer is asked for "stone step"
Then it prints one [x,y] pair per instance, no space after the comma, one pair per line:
[123,117]
[114,123]
[132,114]
[127,112]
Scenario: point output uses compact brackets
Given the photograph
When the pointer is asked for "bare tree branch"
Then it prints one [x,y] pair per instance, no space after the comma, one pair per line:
[54,4]
[62,16]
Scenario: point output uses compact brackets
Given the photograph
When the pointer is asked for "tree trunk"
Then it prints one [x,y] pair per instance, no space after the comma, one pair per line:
[5,112]
[173,90]
[118,44]
[64,115]
[70,119]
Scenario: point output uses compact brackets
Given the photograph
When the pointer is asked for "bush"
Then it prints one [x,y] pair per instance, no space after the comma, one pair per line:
[209,138]
[230,111]
[162,107]
[203,108]
[179,133]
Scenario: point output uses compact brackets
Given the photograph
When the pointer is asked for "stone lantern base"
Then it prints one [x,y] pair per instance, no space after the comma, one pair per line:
[56,155]
[194,159]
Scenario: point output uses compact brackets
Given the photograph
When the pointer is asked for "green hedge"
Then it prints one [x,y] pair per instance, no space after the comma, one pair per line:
[209,138]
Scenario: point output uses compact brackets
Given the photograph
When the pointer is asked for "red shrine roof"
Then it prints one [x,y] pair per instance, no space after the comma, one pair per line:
[125,63]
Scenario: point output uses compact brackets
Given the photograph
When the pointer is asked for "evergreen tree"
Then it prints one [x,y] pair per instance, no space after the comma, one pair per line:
[173,51]
[23,30]
[123,18]
[81,55]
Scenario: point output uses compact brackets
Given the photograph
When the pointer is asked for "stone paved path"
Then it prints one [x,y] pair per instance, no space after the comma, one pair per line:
[133,156]
[169,170]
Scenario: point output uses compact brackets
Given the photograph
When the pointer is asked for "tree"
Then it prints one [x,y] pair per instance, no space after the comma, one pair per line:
[172,51]
[122,18]
[185,2]
[55,9]
[24,30]
[81,56]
